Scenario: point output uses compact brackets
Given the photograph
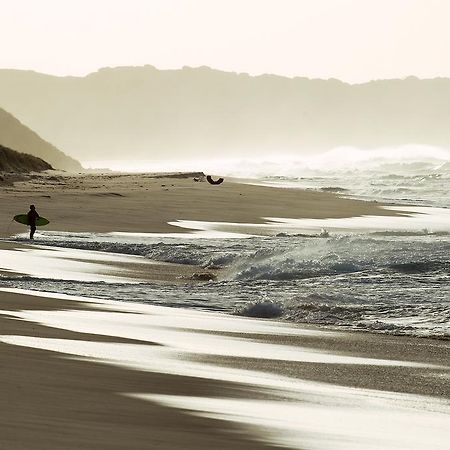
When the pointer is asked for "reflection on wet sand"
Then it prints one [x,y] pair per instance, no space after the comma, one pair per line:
[275,405]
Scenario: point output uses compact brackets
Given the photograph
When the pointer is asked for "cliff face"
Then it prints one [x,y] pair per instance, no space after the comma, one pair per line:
[12,161]
[143,112]
[14,134]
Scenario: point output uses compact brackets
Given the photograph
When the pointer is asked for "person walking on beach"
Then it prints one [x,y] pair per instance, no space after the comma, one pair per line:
[32,217]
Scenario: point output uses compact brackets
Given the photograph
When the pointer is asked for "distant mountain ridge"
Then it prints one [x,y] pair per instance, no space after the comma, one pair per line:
[16,135]
[146,113]
[12,161]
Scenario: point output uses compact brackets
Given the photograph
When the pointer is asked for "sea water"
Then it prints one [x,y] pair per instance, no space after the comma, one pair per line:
[388,275]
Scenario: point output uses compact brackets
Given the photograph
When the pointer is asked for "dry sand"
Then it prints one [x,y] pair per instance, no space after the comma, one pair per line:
[146,203]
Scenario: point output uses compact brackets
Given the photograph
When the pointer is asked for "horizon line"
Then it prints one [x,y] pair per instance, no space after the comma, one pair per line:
[187,67]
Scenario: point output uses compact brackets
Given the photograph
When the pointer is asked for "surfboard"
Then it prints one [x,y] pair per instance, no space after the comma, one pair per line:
[23,218]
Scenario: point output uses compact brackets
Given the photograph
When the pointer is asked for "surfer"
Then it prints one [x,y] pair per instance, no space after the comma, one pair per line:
[32,217]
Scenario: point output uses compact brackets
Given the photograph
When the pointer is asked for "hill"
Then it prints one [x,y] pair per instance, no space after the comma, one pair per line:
[146,113]
[12,161]
[15,134]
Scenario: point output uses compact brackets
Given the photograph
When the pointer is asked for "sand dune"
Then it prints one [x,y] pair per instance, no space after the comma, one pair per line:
[12,161]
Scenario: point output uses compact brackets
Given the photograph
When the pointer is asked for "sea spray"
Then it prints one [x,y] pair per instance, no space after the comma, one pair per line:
[386,283]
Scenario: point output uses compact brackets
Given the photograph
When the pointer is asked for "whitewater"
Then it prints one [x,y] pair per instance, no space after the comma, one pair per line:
[384,275]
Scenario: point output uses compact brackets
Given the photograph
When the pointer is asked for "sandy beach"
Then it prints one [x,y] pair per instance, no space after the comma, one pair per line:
[224,225]
[147,203]
[100,374]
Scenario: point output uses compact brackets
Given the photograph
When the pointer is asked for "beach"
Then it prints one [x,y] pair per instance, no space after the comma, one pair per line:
[224,225]
[150,351]
[52,401]
[149,203]
[63,388]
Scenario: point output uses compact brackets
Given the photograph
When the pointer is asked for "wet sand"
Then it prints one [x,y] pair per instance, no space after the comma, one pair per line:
[62,395]
[32,259]
[147,203]
[48,401]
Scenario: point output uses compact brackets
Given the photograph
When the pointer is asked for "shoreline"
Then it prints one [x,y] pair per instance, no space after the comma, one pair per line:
[62,263]
[83,372]
[149,202]
[336,366]
[76,264]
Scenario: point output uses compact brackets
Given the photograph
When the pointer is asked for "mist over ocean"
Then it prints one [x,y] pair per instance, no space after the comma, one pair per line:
[416,174]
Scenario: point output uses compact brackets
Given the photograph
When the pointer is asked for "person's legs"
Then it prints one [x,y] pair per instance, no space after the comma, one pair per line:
[32,230]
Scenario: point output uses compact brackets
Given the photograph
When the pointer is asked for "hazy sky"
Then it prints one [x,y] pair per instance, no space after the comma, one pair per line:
[354,40]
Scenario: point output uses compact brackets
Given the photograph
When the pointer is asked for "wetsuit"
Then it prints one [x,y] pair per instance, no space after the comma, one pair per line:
[32,217]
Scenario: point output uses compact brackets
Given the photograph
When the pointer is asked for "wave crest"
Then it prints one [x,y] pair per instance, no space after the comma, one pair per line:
[264,310]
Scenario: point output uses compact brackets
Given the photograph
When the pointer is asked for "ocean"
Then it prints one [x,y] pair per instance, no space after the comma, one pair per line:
[377,274]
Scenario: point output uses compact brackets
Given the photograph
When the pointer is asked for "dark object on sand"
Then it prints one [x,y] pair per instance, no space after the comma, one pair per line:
[206,276]
[211,181]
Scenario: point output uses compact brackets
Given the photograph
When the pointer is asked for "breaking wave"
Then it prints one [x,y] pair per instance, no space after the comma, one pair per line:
[345,255]
[413,174]
[286,257]
[421,322]
[263,310]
